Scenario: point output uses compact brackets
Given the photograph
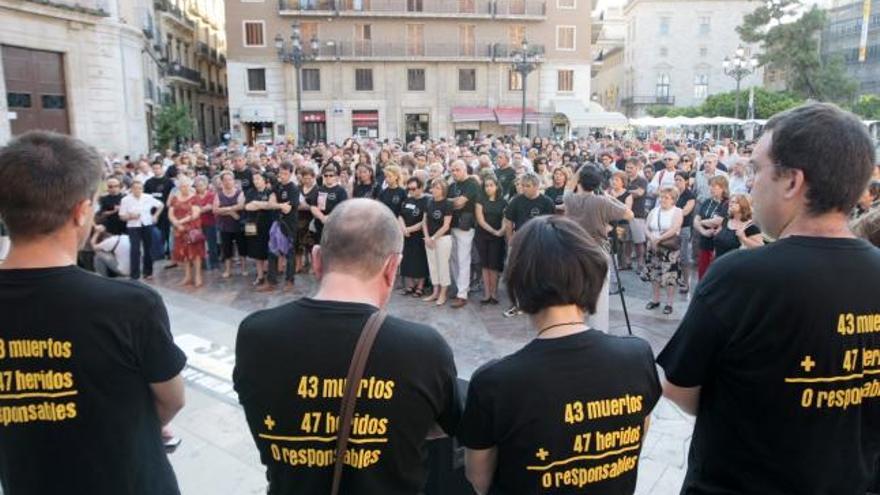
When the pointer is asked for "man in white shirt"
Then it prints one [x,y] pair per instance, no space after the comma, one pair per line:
[701,183]
[140,212]
[112,253]
[665,177]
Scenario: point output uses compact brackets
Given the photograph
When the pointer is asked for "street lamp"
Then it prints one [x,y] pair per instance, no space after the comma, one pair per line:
[739,67]
[523,64]
[293,53]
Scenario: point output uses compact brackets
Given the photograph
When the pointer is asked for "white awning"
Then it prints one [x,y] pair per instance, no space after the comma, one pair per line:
[256,113]
[579,116]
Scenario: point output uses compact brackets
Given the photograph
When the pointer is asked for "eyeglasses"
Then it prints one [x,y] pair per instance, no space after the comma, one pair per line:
[686,160]
[328,175]
[412,189]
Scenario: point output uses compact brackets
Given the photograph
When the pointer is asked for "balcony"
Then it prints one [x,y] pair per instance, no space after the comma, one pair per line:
[633,101]
[202,50]
[368,50]
[184,74]
[171,11]
[454,9]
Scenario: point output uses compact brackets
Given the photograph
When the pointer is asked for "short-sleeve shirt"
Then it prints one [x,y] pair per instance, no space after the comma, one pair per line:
[711,209]
[76,412]
[556,194]
[291,362]
[784,341]
[436,212]
[330,197]
[594,213]
[559,423]
[506,177]
[638,206]
[726,240]
[369,191]
[522,209]
[392,198]
[413,211]
[493,212]
[112,222]
[471,190]
[683,198]
[244,179]
[288,194]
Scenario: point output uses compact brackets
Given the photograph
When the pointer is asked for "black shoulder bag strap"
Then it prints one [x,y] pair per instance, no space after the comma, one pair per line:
[352,382]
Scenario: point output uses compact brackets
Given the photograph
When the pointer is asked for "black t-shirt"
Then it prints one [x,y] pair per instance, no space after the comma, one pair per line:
[245,179]
[556,194]
[288,194]
[79,351]
[435,214]
[711,209]
[566,414]
[493,212]
[112,222]
[506,177]
[159,188]
[392,198]
[683,199]
[784,341]
[638,205]
[365,191]
[263,218]
[330,197]
[726,240]
[522,209]
[291,362]
[412,211]
[464,217]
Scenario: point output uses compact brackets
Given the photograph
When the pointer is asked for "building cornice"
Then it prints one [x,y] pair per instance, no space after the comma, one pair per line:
[56,10]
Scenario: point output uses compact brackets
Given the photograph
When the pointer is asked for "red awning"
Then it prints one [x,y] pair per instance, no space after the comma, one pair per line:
[314,117]
[472,114]
[365,117]
[513,115]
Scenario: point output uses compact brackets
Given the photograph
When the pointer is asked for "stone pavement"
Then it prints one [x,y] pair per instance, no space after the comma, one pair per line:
[218,455]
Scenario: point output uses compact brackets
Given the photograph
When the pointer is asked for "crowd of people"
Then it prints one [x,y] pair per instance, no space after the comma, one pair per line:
[777,355]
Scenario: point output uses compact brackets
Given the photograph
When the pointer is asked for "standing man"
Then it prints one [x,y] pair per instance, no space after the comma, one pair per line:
[96,371]
[108,210]
[140,213]
[595,212]
[506,174]
[292,394]
[463,193]
[779,351]
[638,189]
[285,198]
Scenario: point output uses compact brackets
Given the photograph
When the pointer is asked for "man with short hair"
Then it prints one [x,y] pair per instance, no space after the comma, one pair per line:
[701,181]
[285,198]
[96,372]
[777,354]
[463,192]
[506,174]
[108,209]
[291,393]
[160,186]
[637,186]
[140,212]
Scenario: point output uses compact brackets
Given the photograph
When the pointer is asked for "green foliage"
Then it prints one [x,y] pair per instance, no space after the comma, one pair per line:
[767,103]
[793,47]
[868,107]
[173,123]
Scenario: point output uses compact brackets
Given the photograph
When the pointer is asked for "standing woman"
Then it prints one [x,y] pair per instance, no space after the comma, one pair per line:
[557,189]
[664,248]
[490,237]
[189,241]
[438,241]
[737,230]
[382,161]
[365,183]
[708,221]
[205,201]
[258,222]
[393,195]
[414,266]
[228,206]
[330,194]
[621,228]
[305,219]
[687,200]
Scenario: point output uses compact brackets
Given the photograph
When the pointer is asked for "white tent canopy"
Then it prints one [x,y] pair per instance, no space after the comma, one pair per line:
[591,115]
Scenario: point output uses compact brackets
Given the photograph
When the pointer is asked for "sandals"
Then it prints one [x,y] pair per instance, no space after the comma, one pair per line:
[418,292]
[652,305]
[667,310]
[406,291]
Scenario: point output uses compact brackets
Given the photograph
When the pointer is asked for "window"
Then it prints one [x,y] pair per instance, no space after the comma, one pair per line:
[466,42]
[514,81]
[662,86]
[467,79]
[415,40]
[53,102]
[664,25]
[705,25]
[256,79]
[565,80]
[515,35]
[363,79]
[704,51]
[467,6]
[363,40]
[415,79]
[664,51]
[311,79]
[565,37]
[701,86]
[566,4]
[253,33]
[414,5]
[18,100]
[308,31]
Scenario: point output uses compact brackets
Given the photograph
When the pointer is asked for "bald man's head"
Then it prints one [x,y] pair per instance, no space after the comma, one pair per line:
[358,237]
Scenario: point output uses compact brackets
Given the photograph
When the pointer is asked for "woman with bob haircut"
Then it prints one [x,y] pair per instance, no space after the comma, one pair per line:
[528,414]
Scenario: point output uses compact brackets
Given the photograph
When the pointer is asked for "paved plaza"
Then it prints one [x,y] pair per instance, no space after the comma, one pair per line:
[218,455]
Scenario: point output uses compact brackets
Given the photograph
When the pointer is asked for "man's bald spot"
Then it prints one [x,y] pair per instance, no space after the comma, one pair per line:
[358,237]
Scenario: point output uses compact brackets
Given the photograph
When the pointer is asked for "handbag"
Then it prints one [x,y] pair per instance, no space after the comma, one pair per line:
[673,243]
[352,385]
[194,236]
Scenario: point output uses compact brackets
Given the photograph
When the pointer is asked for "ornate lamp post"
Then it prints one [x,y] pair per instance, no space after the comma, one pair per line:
[293,53]
[524,64]
[739,67]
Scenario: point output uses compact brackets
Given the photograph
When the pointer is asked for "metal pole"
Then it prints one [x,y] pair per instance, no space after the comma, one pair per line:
[736,108]
[525,75]
[299,130]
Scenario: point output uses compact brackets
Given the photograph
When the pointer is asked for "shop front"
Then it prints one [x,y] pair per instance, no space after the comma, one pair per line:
[313,125]
[365,123]
[257,124]
[470,122]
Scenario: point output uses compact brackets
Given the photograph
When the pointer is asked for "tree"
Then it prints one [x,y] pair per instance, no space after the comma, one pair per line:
[791,44]
[173,123]
[767,103]
[868,107]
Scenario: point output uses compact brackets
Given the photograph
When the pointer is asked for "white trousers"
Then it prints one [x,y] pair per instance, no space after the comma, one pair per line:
[464,240]
[438,261]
